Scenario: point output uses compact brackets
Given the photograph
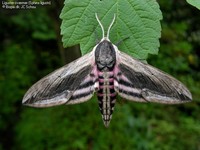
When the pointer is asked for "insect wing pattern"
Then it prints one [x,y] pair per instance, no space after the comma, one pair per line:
[72,81]
[109,72]
[138,81]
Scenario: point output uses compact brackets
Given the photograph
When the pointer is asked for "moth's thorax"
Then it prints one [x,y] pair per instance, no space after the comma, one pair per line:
[105,56]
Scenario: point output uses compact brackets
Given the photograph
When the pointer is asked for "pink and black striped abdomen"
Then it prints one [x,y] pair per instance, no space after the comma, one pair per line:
[106,95]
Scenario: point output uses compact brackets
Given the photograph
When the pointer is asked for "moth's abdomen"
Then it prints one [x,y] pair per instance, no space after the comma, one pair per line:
[106,95]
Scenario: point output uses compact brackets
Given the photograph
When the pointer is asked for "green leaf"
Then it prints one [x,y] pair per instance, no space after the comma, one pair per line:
[195,3]
[137,19]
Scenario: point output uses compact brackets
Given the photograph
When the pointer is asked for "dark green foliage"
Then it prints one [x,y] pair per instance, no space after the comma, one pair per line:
[29,51]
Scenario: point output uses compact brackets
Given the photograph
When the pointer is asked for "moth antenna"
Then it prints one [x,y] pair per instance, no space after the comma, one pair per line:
[102,28]
[110,27]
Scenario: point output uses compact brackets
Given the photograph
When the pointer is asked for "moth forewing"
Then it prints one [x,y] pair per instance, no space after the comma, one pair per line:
[58,87]
[138,81]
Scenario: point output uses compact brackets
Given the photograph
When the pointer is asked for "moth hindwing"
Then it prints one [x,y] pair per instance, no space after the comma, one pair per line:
[109,72]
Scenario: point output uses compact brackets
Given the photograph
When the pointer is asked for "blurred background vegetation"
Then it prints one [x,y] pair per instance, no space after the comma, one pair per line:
[31,48]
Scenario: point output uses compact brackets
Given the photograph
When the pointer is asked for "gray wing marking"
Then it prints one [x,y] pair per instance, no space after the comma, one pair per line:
[58,87]
[148,83]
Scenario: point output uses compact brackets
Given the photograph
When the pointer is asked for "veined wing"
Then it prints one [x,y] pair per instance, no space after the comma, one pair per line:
[59,87]
[137,81]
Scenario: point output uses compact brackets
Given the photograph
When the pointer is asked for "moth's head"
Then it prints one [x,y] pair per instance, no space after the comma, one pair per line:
[105,56]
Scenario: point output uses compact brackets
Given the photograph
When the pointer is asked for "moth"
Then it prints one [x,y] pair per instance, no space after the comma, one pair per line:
[108,72]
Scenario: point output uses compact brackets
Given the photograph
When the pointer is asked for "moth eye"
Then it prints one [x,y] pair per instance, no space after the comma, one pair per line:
[110,65]
[100,66]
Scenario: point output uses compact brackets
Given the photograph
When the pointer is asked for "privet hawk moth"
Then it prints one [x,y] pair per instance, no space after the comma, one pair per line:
[109,72]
